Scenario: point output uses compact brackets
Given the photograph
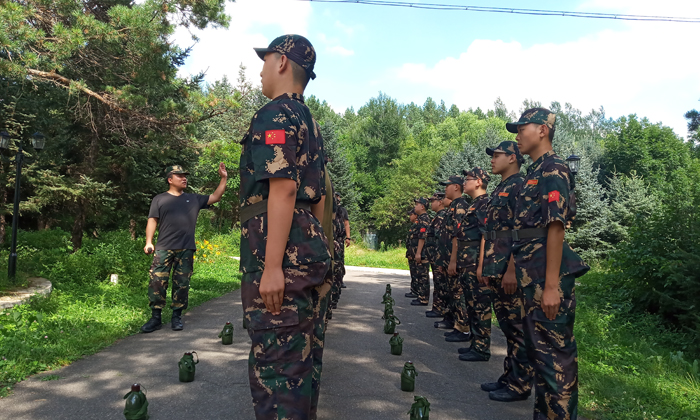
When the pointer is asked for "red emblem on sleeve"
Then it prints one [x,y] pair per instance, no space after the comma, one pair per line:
[422,230]
[274,137]
[553,196]
[532,182]
[503,194]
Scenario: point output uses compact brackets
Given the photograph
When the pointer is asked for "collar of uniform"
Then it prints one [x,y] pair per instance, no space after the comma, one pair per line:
[515,175]
[294,96]
[479,197]
[539,161]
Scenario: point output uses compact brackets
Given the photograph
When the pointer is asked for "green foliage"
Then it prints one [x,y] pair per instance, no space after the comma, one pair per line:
[85,312]
[657,267]
[391,257]
[630,363]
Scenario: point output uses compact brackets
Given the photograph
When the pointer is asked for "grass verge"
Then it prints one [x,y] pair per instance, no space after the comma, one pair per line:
[85,312]
[363,257]
[632,366]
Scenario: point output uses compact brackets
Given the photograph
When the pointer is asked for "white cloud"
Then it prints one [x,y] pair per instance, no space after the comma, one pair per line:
[337,49]
[220,51]
[643,69]
[349,30]
[638,71]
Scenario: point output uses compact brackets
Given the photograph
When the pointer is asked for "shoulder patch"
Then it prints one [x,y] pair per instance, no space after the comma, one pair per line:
[503,194]
[422,230]
[274,137]
[532,182]
[554,196]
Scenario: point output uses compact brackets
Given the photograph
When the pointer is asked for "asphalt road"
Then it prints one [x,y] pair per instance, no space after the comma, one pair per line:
[361,379]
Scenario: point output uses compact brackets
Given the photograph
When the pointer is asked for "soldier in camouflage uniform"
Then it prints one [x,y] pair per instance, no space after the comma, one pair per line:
[469,253]
[437,206]
[456,317]
[422,266]
[340,218]
[411,251]
[176,212]
[546,267]
[516,381]
[284,251]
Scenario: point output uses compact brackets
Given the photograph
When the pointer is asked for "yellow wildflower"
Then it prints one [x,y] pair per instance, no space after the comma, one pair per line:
[210,248]
[204,256]
[218,253]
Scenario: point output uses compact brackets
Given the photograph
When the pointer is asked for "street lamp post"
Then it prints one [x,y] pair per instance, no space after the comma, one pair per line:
[573,161]
[38,142]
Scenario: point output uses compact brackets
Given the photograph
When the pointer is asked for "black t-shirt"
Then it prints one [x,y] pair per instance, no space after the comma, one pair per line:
[177,217]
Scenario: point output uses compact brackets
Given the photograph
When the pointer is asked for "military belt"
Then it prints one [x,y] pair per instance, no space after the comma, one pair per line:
[260,207]
[519,234]
[470,243]
[494,234]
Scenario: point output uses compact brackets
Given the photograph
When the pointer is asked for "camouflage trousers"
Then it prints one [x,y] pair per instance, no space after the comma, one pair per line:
[439,294]
[518,373]
[338,270]
[479,310]
[551,348]
[456,301]
[285,361]
[179,261]
[412,269]
[422,281]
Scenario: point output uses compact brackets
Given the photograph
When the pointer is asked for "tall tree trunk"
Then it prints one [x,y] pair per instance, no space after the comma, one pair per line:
[78,226]
[3,200]
[132,229]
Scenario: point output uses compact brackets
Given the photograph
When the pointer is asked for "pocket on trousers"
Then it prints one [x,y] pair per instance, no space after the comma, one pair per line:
[262,319]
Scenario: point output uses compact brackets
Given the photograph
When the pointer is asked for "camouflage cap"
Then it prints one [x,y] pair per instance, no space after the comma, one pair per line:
[509,148]
[410,212]
[540,116]
[175,169]
[437,195]
[296,48]
[423,201]
[478,173]
[454,179]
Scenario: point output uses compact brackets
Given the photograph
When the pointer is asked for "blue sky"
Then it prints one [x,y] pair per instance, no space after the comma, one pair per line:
[470,58]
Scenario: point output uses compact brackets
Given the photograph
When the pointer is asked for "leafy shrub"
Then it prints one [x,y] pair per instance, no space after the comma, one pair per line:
[658,267]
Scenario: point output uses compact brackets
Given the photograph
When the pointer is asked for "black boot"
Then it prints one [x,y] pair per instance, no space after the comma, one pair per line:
[176,321]
[154,323]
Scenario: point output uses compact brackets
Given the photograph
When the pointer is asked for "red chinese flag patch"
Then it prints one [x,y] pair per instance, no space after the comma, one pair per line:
[553,196]
[422,230]
[486,220]
[274,137]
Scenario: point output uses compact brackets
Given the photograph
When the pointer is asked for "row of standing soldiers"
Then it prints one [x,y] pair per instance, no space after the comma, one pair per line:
[506,250]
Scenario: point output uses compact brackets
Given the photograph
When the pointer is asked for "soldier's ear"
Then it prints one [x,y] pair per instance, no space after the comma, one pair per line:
[283,64]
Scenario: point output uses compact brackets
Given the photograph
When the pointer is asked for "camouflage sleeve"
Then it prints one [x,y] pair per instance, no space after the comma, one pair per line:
[555,194]
[459,213]
[274,144]
[423,224]
[482,214]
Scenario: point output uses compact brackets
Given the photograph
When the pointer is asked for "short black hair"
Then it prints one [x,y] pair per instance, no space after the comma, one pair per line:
[167,178]
[551,133]
[484,184]
[300,75]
